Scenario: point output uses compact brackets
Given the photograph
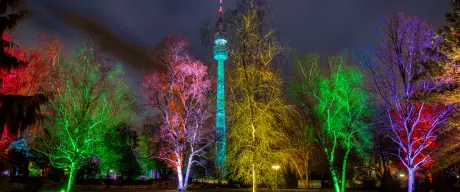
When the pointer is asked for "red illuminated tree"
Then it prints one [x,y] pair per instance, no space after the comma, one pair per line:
[417,137]
[399,73]
[17,111]
[31,78]
[180,95]
[23,88]
[5,141]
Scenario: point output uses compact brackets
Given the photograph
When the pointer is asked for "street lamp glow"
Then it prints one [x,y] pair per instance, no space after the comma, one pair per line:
[276,167]
[402,175]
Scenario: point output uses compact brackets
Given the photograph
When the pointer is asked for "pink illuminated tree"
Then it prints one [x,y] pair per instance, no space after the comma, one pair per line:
[399,73]
[180,96]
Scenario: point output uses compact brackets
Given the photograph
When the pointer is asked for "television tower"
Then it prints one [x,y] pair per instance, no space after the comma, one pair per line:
[220,54]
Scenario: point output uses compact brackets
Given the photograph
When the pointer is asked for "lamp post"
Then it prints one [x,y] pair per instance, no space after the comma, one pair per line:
[276,167]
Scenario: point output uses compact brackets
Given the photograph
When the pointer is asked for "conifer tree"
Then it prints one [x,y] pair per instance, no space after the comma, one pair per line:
[17,111]
[8,23]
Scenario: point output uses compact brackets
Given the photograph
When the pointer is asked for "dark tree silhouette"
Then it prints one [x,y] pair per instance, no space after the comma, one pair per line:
[17,111]
[8,23]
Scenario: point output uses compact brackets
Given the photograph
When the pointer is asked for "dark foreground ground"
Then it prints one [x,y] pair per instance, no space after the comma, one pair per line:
[194,190]
[204,190]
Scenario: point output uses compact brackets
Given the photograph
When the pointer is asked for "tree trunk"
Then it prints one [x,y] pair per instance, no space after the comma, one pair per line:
[254,183]
[72,175]
[307,182]
[307,158]
[334,179]
[298,172]
[344,169]
[180,181]
[410,180]
[187,173]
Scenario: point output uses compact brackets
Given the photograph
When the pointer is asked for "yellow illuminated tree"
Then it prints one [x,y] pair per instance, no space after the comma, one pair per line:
[448,81]
[258,115]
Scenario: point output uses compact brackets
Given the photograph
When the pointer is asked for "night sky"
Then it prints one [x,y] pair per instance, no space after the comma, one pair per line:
[322,26]
[325,26]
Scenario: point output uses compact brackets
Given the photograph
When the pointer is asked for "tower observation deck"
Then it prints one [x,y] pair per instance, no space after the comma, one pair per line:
[220,54]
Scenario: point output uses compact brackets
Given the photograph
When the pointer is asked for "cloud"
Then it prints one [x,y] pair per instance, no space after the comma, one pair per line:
[108,41]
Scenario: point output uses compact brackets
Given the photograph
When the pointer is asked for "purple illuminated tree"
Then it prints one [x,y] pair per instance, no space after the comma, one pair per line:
[180,96]
[397,68]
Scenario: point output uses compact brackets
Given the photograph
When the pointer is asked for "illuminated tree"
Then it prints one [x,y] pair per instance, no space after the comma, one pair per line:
[34,77]
[180,95]
[450,34]
[17,111]
[117,156]
[399,75]
[302,149]
[23,88]
[5,142]
[258,115]
[152,168]
[448,86]
[339,107]
[89,101]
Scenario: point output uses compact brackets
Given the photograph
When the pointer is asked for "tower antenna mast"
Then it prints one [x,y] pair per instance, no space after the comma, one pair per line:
[221,10]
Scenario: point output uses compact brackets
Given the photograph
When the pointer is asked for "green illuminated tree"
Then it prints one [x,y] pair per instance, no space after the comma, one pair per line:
[118,154]
[89,101]
[337,106]
[144,151]
[258,114]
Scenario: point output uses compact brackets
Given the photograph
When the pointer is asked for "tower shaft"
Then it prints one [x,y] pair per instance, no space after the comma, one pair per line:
[221,130]
[220,54]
